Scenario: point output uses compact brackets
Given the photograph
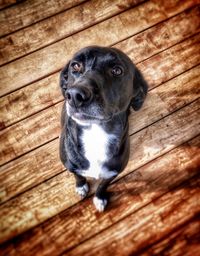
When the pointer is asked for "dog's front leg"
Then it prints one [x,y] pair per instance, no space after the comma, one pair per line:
[82,187]
[100,199]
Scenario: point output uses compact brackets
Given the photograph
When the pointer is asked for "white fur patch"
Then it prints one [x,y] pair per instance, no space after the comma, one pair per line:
[95,142]
[83,191]
[100,204]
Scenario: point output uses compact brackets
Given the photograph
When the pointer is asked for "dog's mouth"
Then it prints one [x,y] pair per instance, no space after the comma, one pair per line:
[87,118]
[83,118]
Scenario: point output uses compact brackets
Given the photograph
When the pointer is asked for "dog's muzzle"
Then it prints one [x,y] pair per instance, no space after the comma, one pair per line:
[79,96]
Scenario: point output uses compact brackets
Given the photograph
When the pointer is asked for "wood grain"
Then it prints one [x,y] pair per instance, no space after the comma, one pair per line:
[41,127]
[22,173]
[55,195]
[59,26]
[33,98]
[155,203]
[184,240]
[29,12]
[129,194]
[52,58]
[7,3]
[159,218]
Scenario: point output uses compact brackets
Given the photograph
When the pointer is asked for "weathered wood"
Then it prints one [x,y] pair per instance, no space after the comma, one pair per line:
[129,194]
[182,53]
[185,240]
[31,169]
[7,3]
[162,35]
[59,26]
[38,129]
[30,11]
[150,224]
[33,98]
[30,133]
[55,195]
[52,58]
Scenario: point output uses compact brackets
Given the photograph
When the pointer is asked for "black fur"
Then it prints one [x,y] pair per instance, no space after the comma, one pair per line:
[95,94]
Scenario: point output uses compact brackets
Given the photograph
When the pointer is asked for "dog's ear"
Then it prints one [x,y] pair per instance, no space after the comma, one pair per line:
[140,89]
[64,79]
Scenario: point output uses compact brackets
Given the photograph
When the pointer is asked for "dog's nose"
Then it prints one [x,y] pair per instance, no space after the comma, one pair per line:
[78,96]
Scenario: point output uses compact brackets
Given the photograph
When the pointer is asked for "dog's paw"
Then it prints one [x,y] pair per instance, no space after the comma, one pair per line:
[82,191]
[100,204]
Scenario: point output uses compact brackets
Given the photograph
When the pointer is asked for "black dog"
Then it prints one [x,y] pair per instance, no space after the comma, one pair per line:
[99,85]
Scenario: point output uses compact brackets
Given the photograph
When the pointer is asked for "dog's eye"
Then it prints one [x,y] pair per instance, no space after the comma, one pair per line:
[117,71]
[76,67]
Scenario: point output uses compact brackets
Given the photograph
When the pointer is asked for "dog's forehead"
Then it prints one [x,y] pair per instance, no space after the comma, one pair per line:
[104,54]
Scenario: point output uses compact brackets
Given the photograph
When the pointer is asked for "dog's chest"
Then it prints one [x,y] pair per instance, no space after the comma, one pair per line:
[96,149]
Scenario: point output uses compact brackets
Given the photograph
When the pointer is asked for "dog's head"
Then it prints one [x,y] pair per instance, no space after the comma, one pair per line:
[100,82]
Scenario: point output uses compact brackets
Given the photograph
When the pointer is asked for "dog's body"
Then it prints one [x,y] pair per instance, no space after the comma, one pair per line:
[99,85]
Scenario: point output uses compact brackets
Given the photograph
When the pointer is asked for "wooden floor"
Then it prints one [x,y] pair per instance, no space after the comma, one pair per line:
[155,203]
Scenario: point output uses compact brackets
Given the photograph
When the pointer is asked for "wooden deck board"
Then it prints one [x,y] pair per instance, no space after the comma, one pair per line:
[29,12]
[155,205]
[58,27]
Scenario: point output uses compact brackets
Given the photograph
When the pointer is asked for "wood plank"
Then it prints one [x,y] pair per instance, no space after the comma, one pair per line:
[7,3]
[184,241]
[30,133]
[23,173]
[28,100]
[55,195]
[29,12]
[147,183]
[59,26]
[162,35]
[147,226]
[41,127]
[52,58]
[166,99]
[181,52]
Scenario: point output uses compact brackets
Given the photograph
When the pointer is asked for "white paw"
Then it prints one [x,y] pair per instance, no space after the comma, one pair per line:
[82,191]
[100,204]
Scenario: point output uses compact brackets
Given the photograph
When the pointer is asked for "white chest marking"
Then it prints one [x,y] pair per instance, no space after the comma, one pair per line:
[95,142]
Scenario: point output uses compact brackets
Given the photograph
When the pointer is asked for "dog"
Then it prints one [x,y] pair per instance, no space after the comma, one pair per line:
[99,85]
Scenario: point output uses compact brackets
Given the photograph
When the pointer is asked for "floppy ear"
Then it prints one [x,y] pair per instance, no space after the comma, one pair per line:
[64,79]
[140,89]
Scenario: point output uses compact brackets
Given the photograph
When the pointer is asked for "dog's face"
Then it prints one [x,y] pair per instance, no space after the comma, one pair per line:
[98,83]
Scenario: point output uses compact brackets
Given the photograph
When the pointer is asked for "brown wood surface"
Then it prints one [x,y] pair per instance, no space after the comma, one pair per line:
[155,202]
[6,3]
[183,241]
[129,194]
[162,215]
[33,98]
[58,27]
[52,58]
[29,12]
